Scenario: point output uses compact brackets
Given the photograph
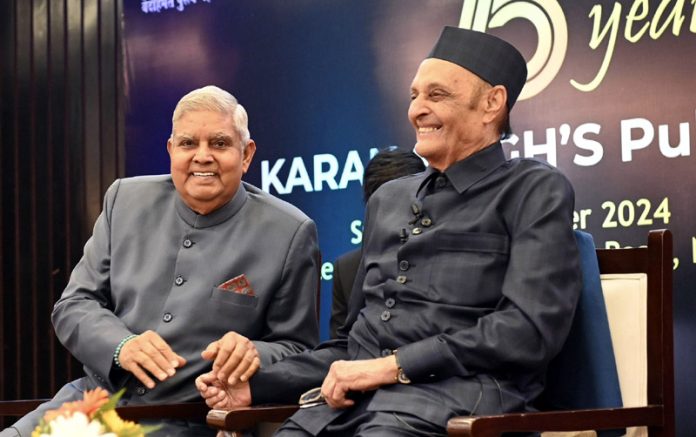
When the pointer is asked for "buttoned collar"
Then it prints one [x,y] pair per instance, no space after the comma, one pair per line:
[220,215]
[465,173]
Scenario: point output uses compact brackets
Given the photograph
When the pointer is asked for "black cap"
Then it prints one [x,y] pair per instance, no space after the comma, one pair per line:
[490,58]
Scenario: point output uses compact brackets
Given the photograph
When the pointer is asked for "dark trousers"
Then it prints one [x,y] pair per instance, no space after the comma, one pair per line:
[357,421]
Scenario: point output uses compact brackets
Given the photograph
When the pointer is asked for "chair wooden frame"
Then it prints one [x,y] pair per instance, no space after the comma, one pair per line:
[655,261]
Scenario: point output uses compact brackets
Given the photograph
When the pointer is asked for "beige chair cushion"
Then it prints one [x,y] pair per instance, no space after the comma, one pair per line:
[625,296]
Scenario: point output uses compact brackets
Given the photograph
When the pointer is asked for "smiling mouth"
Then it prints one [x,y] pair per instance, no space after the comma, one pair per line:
[203,174]
[428,130]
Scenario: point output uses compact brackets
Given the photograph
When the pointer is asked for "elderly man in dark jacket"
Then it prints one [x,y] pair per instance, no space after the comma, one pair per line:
[469,276]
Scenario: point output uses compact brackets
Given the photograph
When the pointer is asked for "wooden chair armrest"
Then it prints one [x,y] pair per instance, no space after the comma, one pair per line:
[575,420]
[244,418]
[19,407]
[182,411]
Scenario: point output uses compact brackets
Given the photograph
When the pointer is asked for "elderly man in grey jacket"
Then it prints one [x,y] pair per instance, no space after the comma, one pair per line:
[188,273]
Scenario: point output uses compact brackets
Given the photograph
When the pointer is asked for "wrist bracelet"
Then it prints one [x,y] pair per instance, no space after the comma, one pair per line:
[117,352]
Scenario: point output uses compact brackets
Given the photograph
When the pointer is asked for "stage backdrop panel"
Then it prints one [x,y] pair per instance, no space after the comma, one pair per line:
[610,100]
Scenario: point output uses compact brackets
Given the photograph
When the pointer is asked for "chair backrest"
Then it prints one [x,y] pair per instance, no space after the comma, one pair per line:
[637,285]
[584,374]
[619,349]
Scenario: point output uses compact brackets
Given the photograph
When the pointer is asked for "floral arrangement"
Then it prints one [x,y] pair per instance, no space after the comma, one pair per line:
[94,416]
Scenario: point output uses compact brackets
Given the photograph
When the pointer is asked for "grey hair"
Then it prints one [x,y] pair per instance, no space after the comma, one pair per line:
[212,98]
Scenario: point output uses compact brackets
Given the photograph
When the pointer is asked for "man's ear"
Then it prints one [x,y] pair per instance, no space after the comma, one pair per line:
[249,151]
[496,102]
[169,145]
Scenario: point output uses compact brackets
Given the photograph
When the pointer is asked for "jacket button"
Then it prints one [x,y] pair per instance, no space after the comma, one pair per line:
[403,265]
[416,231]
[179,280]
[401,279]
[167,317]
[386,315]
[140,390]
[188,243]
[440,181]
[390,302]
[426,222]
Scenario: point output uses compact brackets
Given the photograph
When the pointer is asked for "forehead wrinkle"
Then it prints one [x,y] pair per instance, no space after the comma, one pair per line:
[222,135]
[436,71]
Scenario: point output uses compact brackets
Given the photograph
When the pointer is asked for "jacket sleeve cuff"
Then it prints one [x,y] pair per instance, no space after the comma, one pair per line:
[429,359]
[266,390]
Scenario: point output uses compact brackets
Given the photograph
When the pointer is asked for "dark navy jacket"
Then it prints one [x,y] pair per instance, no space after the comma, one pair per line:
[473,274]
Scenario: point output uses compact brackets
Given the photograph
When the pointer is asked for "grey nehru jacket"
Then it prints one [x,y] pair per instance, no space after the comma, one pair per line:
[153,263]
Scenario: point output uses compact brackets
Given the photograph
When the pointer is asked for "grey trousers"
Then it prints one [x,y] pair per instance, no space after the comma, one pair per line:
[24,426]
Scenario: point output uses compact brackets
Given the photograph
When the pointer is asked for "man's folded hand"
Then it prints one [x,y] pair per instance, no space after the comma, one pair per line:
[221,396]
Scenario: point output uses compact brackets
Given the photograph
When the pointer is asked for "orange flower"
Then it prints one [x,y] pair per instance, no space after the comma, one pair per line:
[95,414]
[92,401]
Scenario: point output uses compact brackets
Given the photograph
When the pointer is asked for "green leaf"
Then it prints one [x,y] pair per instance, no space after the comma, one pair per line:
[113,401]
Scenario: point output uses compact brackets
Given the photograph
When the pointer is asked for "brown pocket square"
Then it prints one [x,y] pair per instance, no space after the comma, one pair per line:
[239,284]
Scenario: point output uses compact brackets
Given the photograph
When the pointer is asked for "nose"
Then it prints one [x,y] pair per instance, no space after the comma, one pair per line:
[417,108]
[203,153]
